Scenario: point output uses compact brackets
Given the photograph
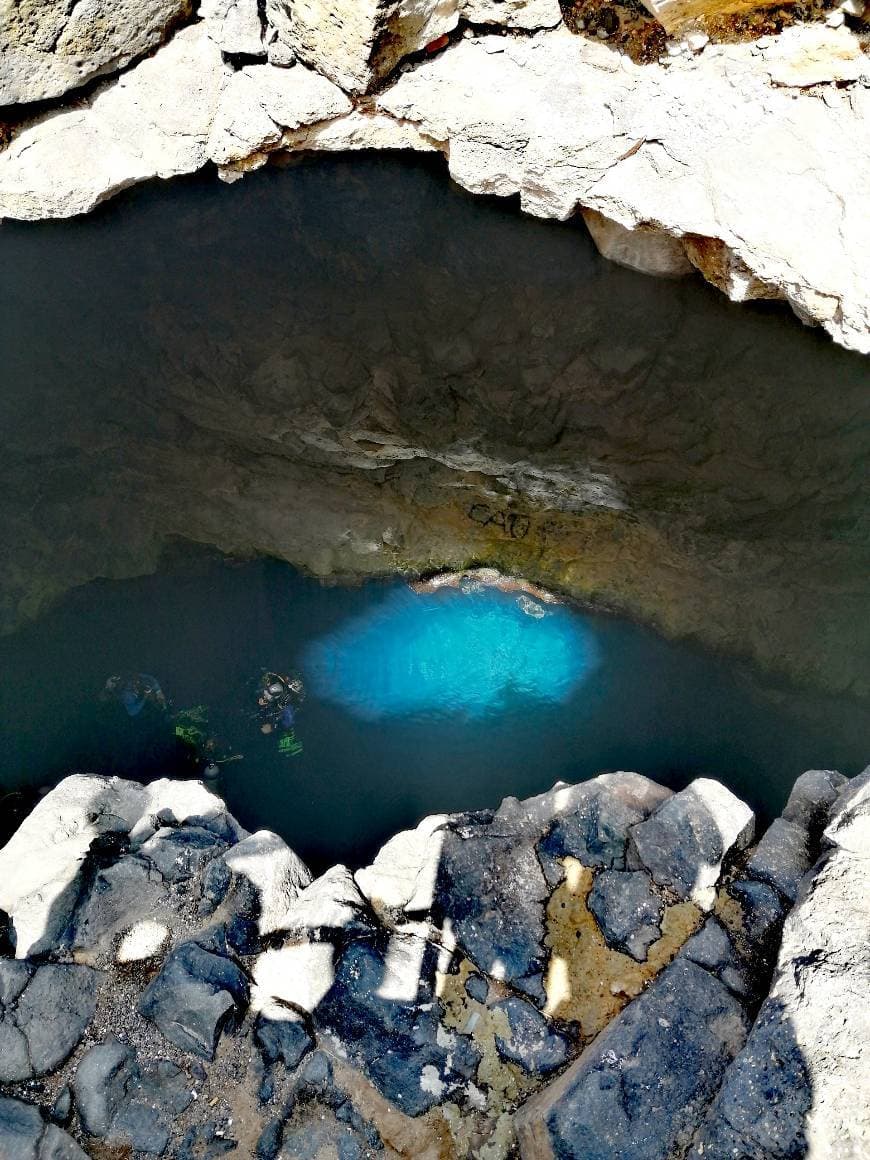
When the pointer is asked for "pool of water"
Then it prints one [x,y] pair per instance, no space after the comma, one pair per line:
[416,702]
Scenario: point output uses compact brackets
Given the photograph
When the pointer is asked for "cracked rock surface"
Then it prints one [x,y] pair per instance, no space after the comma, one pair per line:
[458,998]
[676,164]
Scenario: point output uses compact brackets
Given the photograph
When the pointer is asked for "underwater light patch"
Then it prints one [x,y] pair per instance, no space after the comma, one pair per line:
[451,652]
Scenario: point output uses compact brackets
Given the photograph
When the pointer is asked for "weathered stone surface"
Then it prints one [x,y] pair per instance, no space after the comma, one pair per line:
[267,879]
[532,1043]
[283,1035]
[331,906]
[45,1019]
[261,101]
[628,911]
[49,47]
[649,251]
[404,874]
[235,26]
[297,974]
[179,854]
[684,844]
[42,867]
[641,1088]
[195,996]
[358,42]
[24,1135]
[811,799]
[122,896]
[782,857]
[525,14]
[794,1089]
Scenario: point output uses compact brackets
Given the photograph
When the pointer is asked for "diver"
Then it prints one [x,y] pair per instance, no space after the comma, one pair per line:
[278,700]
[134,691]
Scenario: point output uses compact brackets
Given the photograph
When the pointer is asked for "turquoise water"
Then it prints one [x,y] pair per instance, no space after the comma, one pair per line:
[416,703]
[469,652]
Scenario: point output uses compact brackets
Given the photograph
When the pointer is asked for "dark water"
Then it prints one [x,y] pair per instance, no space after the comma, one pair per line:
[416,704]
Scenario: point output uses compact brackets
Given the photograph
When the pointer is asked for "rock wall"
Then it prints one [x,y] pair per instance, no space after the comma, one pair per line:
[699,150]
[573,975]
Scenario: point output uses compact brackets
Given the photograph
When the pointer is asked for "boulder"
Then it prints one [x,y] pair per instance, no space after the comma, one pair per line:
[122,896]
[195,996]
[796,1089]
[811,799]
[532,1043]
[687,839]
[43,1020]
[357,43]
[50,47]
[267,878]
[520,14]
[125,1104]
[627,910]
[44,867]
[404,873]
[782,857]
[330,907]
[713,949]
[297,974]
[178,854]
[282,1035]
[641,1088]
[235,26]
[25,1136]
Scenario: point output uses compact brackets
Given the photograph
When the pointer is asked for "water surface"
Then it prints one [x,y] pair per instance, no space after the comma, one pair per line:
[416,703]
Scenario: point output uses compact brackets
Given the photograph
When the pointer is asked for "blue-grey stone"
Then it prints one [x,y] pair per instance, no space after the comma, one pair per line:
[48,1018]
[477,987]
[181,853]
[641,1089]
[25,1136]
[627,910]
[782,857]
[533,1044]
[282,1035]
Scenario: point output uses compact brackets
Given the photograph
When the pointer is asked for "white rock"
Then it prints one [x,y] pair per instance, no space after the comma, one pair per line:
[697,41]
[811,54]
[135,128]
[513,13]
[648,250]
[234,26]
[274,871]
[404,873]
[144,940]
[52,46]
[358,42]
[299,974]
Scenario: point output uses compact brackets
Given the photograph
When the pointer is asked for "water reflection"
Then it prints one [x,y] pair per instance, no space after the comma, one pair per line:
[472,651]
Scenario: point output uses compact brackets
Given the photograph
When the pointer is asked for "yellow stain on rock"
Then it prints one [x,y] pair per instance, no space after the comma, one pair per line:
[586,981]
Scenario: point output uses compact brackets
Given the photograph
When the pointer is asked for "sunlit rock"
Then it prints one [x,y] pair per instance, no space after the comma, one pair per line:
[48,47]
[648,250]
[235,26]
[269,876]
[527,14]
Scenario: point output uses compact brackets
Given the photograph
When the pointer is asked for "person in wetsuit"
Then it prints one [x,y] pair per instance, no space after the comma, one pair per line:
[278,699]
[134,691]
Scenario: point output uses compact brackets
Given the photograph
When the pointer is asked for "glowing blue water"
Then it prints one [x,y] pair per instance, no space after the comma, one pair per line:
[470,652]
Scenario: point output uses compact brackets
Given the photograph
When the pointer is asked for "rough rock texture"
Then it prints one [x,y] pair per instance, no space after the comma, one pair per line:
[456,999]
[48,48]
[686,152]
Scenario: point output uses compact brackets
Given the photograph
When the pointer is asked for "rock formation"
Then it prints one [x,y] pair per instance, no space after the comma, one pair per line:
[685,162]
[578,974]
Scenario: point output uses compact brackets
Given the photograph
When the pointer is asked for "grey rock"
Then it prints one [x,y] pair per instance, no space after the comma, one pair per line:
[14,977]
[195,996]
[796,1089]
[121,895]
[477,987]
[533,1044]
[713,949]
[628,911]
[179,854]
[24,1135]
[594,822]
[782,857]
[61,1109]
[811,799]
[763,912]
[49,1017]
[382,1012]
[687,839]
[641,1088]
[282,1035]
[100,1084]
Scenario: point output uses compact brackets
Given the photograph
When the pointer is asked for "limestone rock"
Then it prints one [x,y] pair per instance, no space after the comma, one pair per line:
[627,910]
[25,1136]
[792,1090]
[525,14]
[403,876]
[235,26]
[48,47]
[648,250]
[358,42]
[330,907]
[684,844]
[261,101]
[641,1088]
[133,129]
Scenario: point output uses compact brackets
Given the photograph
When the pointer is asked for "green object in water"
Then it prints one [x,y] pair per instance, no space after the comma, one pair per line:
[189,734]
[288,745]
